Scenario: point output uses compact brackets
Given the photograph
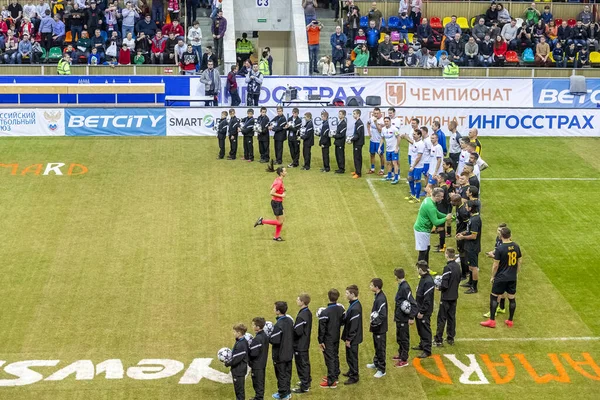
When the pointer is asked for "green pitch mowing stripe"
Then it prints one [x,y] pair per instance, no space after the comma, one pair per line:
[152,254]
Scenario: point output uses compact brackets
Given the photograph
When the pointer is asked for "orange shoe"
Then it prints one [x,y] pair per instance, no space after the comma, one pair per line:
[490,323]
[509,323]
[355,176]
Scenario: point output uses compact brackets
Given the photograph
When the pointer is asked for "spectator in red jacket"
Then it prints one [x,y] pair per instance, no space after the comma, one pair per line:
[159,43]
[189,61]
[232,87]
[174,27]
[500,48]
[124,55]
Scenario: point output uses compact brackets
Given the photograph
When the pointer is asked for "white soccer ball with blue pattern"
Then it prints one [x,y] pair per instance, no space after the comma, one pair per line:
[437,281]
[268,329]
[249,338]
[405,306]
[332,133]
[317,131]
[224,354]
[257,128]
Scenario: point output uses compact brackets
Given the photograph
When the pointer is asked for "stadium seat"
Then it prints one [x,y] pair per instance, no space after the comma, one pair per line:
[104,35]
[383,24]
[463,23]
[472,22]
[595,59]
[68,37]
[435,23]
[439,54]
[512,57]
[410,37]
[55,54]
[571,22]
[364,22]
[558,22]
[393,23]
[446,21]
[551,57]
[381,37]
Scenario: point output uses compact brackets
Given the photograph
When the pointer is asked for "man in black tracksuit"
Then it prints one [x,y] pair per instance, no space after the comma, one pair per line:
[234,124]
[340,142]
[282,341]
[325,141]
[449,289]
[308,140]
[425,293]
[263,135]
[239,361]
[259,352]
[330,322]
[352,334]
[379,327]
[403,319]
[222,126]
[358,141]
[294,124]
[247,129]
[279,134]
[462,218]
[302,330]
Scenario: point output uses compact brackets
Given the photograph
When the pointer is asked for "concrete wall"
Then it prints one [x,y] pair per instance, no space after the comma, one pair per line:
[280,51]
[277,15]
[299,40]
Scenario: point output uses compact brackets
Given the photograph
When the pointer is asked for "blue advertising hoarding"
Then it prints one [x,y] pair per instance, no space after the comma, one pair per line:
[115,122]
[555,93]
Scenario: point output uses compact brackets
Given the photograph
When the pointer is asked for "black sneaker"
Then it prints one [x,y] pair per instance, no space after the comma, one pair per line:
[466,285]
[303,168]
[463,277]
[339,171]
[278,239]
[351,381]
[300,390]
[423,355]
[470,291]
[438,344]
[450,342]
[417,348]
[258,222]
[346,374]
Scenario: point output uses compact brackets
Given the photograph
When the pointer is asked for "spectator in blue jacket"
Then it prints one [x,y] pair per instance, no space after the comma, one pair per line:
[45,29]
[24,49]
[452,28]
[58,31]
[405,22]
[372,42]
[338,43]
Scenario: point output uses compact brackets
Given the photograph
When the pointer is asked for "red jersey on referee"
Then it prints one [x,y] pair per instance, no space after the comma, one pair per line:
[279,189]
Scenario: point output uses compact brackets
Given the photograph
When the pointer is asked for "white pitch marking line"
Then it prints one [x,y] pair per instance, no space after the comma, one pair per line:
[540,179]
[554,339]
[382,206]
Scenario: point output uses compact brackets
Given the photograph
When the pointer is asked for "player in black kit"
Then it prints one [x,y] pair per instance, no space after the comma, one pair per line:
[259,352]
[308,140]
[239,361]
[447,310]
[379,327]
[330,322]
[425,301]
[302,330]
[234,124]
[293,126]
[247,130]
[507,264]
[325,141]
[340,142]
[472,243]
[263,135]
[222,125]
[358,141]
[277,125]
[352,334]
[282,340]
[403,318]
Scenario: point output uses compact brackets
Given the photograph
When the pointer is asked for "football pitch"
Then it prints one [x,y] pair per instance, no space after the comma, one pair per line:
[151,256]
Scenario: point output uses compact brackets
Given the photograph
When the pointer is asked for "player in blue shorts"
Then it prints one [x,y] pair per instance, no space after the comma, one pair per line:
[374,128]
[436,165]
[391,136]
[417,149]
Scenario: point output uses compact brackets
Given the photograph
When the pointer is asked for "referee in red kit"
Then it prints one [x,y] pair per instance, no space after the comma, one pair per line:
[277,196]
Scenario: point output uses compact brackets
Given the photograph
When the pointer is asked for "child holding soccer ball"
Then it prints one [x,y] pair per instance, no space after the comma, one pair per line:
[239,361]
[259,352]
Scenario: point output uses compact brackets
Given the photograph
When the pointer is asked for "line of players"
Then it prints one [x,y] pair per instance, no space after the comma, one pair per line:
[290,339]
[424,154]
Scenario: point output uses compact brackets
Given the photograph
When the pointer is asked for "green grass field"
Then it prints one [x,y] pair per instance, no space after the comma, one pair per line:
[152,255]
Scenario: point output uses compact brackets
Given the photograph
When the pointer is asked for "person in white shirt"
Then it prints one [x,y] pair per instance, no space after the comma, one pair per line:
[478,163]
[436,165]
[195,39]
[464,155]
[417,148]
[427,152]
[374,127]
[391,137]
[454,144]
[327,67]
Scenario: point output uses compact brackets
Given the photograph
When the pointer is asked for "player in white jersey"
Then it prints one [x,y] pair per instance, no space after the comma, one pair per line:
[464,155]
[374,128]
[427,152]
[417,148]
[436,165]
[391,136]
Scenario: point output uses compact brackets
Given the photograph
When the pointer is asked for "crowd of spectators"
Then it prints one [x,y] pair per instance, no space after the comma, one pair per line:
[109,32]
[534,37]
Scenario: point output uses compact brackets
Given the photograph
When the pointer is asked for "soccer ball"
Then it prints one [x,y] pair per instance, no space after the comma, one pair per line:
[249,337]
[405,306]
[268,328]
[317,131]
[437,281]
[257,128]
[320,311]
[374,315]
[224,354]
[332,133]
[348,141]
